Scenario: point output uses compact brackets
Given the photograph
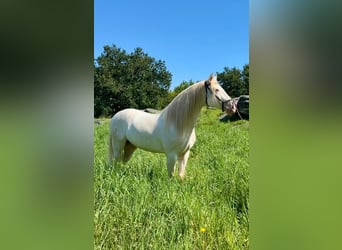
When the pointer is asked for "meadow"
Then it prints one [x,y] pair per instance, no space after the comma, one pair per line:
[137,206]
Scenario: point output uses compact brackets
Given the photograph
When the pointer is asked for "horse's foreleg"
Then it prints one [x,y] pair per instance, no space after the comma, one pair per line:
[182,161]
[171,163]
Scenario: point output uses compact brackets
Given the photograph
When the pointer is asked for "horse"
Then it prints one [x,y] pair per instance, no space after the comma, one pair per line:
[171,131]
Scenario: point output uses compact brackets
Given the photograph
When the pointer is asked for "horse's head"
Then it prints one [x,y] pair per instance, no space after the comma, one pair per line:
[215,95]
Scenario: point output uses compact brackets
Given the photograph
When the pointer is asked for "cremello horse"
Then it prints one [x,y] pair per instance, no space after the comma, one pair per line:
[172,131]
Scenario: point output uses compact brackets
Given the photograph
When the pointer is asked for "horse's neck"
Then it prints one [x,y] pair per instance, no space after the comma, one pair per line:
[194,113]
[185,119]
[193,116]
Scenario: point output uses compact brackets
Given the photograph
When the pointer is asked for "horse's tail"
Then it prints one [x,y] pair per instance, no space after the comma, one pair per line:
[110,149]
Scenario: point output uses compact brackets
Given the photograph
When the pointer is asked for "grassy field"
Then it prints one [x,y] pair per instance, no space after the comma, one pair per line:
[137,206]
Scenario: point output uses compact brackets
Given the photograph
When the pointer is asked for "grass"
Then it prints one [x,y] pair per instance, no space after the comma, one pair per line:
[138,207]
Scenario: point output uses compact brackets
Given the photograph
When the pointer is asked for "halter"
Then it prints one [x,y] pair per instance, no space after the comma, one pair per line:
[206,85]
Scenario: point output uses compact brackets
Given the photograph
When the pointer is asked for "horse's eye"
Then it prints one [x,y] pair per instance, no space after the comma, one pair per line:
[216,90]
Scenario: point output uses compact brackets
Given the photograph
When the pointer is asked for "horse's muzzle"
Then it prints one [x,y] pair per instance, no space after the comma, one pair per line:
[229,107]
[223,103]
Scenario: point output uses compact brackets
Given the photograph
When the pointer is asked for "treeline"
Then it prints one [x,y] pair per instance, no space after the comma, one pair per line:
[137,80]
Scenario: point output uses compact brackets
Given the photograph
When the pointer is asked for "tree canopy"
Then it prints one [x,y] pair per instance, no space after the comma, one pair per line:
[123,80]
[137,80]
[235,81]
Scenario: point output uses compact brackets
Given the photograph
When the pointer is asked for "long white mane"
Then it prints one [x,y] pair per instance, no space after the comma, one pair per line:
[178,112]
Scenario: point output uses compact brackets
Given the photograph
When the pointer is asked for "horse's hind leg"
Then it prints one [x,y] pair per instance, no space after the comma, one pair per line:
[128,151]
[118,146]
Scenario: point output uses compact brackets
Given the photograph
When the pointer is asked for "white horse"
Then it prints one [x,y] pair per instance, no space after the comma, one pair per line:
[172,131]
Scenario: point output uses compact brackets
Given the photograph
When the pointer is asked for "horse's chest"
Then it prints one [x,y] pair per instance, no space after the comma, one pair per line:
[184,143]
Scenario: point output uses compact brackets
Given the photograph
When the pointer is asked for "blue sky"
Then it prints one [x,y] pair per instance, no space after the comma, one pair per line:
[194,38]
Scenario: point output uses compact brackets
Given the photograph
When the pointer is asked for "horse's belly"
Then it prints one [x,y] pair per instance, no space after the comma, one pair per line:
[145,140]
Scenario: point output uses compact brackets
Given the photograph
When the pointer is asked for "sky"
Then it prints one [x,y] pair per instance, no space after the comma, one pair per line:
[194,38]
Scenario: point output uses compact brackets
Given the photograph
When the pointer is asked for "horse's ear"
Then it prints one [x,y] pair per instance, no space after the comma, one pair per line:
[212,77]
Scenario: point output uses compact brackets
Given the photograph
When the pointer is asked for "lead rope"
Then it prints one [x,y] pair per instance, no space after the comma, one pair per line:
[237,110]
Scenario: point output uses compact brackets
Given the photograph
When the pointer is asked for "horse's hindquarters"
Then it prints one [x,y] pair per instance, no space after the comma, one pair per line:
[139,128]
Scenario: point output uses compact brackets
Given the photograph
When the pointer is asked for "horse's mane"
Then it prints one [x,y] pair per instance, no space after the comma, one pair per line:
[181,111]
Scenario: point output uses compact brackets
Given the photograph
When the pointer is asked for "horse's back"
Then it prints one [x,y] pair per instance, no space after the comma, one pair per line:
[133,116]
[125,114]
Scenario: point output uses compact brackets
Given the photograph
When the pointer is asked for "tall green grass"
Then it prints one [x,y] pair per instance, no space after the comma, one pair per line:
[137,206]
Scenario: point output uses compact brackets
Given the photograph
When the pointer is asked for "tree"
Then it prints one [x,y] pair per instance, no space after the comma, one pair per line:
[123,80]
[245,79]
[172,94]
[234,81]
